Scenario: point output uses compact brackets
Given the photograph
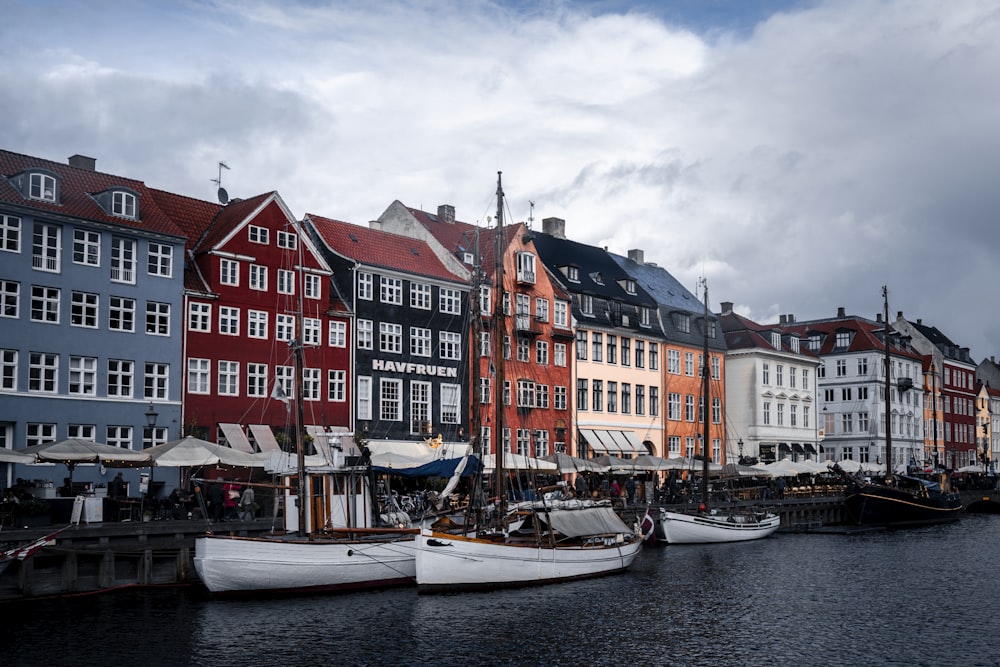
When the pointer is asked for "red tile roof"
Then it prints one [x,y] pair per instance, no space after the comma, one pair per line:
[460,236]
[76,187]
[380,249]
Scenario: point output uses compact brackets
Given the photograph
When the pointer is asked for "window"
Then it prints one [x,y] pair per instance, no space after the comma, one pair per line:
[506,392]
[420,296]
[390,397]
[229,272]
[845,394]
[311,328]
[43,372]
[525,267]
[654,401]
[337,334]
[313,286]
[541,309]
[640,399]
[682,322]
[626,351]
[573,274]
[257,380]
[38,434]
[450,403]
[120,436]
[542,352]
[640,354]
[365,286]
[365,335]
[157,378]
[199,373]
[284,328]
[626,398]
[420,407]
[122,260]
[643,316]
[767,413]
[689,364]
[674,362]
[310,384]
[120,378]
[581,344]
[390,337]
[160,261]
[559,354]
[42,186]
[258,234]
[82,431]
[257,321]
[525,394]
[597,343]
[717,411]
[561,315]
[10,233]
[45,304]
[805,417]
[581,394]
[598,395]
[391,290]
[485,391]
[8,370]
[612,396]
[450,301]
[586,304]
[484,343]
[689,407]
[83,310]
[287,240]
[45,249]
[674,406]
[654,356]
[828,395]
[451,345]
[86,247]
[805,378]
[420,342]
[523,441]
[484,300]
[229,378]
[841,367]
[82,375]
[791,376]
[10,298]
[123,204]
[158,319]
[542,396]
[779,374]
[843,339]
[284,377]
[286,281]
[541,442]
[258,277]
[336,391]
[793,415]
[522,350]
[559,397]
[863,366]
[199,316]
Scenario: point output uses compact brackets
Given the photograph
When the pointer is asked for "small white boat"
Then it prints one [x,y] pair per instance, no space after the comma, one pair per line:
[549,547]
[715,526]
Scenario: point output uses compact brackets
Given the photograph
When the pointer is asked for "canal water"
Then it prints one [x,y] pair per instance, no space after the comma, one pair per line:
[923,596]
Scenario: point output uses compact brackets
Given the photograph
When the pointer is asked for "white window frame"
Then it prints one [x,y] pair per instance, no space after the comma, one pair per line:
[336,386]
[10,233]
[257,380]
[10,299]
[337,334]
[157,318]
[391,399]
[122,260]
[258,277]
[257,234]
[284,327]
[42,187]
[450,345]
[390,337]
[451,403]
[199,376]
[84,310]
[287,240]
[420,342]
[364,397]
[366,334]
[82,379]
[229,272]
[228,378]
[258,324]
[160,260]
[312,286]
[156,380]
[199,316]
[8,369]
[45,304]
[121,378]
[46,247]
[391,290]
[450,301]
[124,204]
[312,328]
[86,247]
[420,296]
[366,290]
[286,281]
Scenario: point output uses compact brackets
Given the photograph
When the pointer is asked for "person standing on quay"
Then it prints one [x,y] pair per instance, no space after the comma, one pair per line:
[215,499]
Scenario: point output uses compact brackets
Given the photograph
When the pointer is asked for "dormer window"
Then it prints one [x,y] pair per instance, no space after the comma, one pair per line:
[597,278]
[628,285]
[644,316]
[682,322]
[794,341]
[572,274]
[468,258]
[776,340]
[525,268]
[42,186]
[123,204]
[587,304]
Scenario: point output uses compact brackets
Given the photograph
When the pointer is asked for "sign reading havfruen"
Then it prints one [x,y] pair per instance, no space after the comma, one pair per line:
[413,369]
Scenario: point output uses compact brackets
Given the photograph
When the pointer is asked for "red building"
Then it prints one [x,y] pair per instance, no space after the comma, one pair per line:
[248,272]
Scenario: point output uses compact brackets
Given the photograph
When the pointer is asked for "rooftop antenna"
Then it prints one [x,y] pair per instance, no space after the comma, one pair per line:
[222,194]
[531,213]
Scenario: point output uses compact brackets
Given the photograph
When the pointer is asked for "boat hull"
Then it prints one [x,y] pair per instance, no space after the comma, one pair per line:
[876,505]
[704,528]
[448,562]
[230,565]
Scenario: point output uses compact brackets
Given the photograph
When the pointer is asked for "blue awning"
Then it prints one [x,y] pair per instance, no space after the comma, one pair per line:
[439,468]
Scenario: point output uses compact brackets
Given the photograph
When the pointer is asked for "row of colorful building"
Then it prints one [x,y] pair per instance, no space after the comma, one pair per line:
[133,316]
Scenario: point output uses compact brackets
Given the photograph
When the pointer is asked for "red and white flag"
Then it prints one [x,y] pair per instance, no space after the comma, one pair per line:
[648,527]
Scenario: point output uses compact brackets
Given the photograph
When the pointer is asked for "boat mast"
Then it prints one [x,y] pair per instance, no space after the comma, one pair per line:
[888,382]
[499,332]
[297,345]
[705,406]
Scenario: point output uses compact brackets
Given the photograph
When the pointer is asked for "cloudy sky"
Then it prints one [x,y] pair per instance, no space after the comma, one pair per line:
[799,153]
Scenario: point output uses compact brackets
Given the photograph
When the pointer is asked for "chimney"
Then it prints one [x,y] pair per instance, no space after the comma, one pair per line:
[878,317]
[446,212]
[782,319]
[727,306]
[375,224]
[840,312]
[554,227]
[636,255]
[82,162]
[791,318]
[899,314]
[920,320]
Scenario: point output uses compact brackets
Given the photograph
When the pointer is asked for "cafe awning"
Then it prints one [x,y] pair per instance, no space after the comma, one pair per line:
[236,438]
[810,449]
[612,442]
[264,438]
[797,448]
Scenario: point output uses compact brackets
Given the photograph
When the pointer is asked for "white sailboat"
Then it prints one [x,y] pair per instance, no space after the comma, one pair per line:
[330,544]
[534,543]
[705,524]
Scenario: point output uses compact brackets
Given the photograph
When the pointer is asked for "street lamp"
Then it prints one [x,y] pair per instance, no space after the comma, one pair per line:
[151,415]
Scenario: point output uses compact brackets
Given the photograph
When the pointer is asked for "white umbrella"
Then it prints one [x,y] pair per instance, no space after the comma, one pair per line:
[519,462]
[14,456]
[76,450]
[848,465]
[570,464]
[191,452]
[737,470]
[786,468]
